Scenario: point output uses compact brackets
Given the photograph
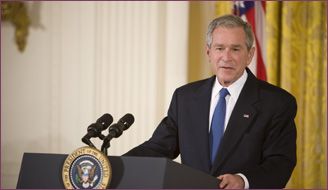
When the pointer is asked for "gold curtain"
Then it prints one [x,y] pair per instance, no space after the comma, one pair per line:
[297,61]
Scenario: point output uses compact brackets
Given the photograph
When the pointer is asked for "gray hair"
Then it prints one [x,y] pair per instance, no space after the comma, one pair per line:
[230,21]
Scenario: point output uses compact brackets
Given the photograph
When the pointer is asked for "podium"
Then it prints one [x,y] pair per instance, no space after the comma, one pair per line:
[43,171]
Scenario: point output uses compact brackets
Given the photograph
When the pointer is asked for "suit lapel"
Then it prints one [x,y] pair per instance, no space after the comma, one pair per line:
[240,120]
[201,103]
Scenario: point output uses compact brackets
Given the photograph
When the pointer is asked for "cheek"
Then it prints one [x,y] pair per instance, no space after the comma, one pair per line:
[241,61]
[214,57]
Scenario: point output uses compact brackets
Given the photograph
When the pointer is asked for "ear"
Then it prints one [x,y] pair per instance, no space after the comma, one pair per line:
[250,55]
[207,50]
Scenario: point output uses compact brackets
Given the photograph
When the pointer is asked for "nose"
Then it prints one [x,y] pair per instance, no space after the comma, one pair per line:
[226,55]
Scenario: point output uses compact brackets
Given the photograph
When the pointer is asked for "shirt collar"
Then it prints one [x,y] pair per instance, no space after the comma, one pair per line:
[234,89]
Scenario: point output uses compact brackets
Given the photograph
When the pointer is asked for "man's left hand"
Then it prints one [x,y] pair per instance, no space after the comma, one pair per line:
[230,181]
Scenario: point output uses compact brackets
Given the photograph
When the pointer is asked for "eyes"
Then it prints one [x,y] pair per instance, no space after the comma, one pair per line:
[222,48]
[219,48]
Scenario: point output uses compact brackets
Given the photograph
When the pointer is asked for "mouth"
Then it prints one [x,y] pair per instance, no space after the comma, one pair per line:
[226,67]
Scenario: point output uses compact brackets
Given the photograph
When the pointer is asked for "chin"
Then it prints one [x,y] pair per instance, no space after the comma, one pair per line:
[225,77]
[225,81]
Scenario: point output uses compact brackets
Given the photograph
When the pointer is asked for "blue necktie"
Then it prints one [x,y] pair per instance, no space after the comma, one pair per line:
[217,125]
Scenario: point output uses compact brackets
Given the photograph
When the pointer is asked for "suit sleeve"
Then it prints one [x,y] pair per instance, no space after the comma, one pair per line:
[279,150]
[164,141]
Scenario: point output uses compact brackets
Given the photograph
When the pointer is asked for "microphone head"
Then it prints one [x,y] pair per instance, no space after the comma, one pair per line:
[94,130]
[115,130]
[105,120]
[127,120]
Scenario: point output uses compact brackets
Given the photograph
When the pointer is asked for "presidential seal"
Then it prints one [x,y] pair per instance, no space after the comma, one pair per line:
[86,168]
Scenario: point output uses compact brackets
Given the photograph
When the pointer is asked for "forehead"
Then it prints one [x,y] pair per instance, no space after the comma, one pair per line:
[229,36]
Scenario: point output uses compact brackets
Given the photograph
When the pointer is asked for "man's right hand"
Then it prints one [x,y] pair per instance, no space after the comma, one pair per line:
[230,181]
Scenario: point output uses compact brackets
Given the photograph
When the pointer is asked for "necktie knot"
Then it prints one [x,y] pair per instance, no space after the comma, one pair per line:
[223,92]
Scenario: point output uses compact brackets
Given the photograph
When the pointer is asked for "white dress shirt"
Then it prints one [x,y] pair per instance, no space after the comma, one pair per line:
[234,91]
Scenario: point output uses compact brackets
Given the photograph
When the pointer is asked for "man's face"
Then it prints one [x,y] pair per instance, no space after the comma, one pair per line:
[228,54]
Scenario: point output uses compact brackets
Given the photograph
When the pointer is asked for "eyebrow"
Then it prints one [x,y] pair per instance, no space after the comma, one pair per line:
[233,45]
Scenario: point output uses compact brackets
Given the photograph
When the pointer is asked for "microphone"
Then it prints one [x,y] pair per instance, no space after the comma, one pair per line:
[116,130]
[105,120]
[95,129]
[123,124]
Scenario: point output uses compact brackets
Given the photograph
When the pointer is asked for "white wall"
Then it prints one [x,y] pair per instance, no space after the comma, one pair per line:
[84,59]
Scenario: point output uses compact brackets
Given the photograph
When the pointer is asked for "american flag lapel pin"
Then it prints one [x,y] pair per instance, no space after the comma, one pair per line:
[246,115]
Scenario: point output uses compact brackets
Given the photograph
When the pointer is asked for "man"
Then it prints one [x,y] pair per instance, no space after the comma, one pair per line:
[246,137]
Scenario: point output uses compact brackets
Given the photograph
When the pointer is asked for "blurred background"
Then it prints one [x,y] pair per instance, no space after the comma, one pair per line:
[65,64]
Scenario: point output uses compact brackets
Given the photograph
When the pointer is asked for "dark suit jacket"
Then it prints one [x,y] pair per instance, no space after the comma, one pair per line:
[259,141]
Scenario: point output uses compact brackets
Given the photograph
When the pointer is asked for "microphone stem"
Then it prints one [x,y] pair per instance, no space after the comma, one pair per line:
[106,143]
[105,151]
[88,142]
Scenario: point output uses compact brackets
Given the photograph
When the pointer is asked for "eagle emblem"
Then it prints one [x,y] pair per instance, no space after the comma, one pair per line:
[86,174]
[86,168]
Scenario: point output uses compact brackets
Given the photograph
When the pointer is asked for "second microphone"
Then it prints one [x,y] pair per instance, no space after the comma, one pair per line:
[117,129]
